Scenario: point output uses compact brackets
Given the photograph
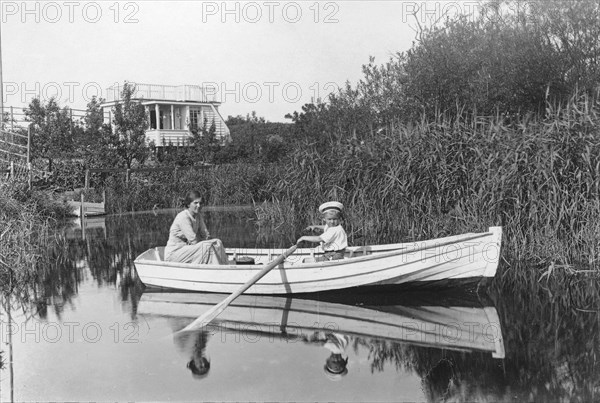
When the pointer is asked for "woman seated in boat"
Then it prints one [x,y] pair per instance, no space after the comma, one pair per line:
[334,240]
[188,236]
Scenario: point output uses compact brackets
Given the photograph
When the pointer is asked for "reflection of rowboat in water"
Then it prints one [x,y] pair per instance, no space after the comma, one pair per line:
[463,258]
[426,320]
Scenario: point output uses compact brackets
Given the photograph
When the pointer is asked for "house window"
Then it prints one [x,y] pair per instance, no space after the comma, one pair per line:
[178,123]
[195,118]
[153,119]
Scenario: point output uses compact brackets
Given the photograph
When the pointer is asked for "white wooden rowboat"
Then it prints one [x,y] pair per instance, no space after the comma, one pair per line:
[416,319]
[466,258]
[83,208]
[86,209]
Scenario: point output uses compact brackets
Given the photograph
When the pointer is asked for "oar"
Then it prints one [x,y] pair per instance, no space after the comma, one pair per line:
[216,310]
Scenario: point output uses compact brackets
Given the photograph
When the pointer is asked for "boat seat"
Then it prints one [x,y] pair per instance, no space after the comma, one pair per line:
[310,259]
[159,254]
[357,250]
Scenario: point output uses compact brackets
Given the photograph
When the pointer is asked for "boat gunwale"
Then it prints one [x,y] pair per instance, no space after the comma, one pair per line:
[311,265]
[310,281]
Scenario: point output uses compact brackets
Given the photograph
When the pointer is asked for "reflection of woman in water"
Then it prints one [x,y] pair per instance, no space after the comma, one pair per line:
[199,364]
[335,365]
[195,345]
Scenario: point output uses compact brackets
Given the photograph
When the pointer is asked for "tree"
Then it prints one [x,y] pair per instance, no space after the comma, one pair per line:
[488,65]
[129,128]
[512,58]
[96,144]
[256,139]
[572,28]
[204,142]
[94,118]
[312,124]
[51,130]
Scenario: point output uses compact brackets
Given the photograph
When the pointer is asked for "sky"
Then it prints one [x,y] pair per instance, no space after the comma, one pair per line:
[270,57]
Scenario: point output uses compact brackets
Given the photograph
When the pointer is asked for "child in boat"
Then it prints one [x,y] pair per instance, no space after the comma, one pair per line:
[188,237]
[334,240]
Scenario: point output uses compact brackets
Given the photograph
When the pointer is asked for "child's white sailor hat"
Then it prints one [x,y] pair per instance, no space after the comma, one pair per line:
[332,205]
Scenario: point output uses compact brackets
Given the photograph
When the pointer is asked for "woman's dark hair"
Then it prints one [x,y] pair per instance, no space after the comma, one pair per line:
[200,369]
[190,197]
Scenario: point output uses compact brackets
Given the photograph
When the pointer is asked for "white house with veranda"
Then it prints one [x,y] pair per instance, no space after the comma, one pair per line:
[171,111]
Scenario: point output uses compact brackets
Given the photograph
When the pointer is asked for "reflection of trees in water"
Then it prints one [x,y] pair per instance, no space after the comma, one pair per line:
[108,249]
[59,274]
[110,258]
[552,335]
[552,340]
[445,374]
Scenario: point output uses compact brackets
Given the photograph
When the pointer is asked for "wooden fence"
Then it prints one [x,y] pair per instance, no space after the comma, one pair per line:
[15,151]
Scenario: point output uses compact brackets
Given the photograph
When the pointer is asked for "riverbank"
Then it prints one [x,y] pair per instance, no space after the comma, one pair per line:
[26,218]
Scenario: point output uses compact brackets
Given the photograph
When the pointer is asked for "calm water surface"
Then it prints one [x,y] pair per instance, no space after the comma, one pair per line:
[95,333]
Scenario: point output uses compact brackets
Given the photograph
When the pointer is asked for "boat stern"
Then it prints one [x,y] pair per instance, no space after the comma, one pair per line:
[491,252]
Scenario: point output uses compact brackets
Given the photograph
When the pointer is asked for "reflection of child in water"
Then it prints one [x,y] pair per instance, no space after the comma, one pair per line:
[335,365]
[440,383]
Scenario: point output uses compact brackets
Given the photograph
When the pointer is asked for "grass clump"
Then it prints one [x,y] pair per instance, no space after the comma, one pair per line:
[25,220]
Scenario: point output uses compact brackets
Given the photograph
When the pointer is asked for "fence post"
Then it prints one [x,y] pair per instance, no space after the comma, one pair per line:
[29,144]
[29,174]
[83,223]
[12,170]
[87,179]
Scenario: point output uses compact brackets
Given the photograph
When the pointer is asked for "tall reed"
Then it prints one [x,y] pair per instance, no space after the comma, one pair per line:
[537,177]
